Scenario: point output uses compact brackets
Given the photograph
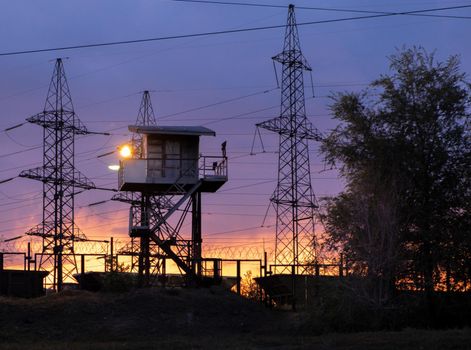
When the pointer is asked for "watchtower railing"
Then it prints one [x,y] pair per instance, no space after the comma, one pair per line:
[213,166]
[207,167]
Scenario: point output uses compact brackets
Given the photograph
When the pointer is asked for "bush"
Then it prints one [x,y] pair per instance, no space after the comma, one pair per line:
[117,282]
[346,311]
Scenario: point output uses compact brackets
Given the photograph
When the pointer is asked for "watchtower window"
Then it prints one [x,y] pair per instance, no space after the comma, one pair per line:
[171,157]
[155,155]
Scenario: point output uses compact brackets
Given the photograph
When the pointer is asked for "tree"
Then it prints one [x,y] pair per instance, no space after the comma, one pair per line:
[404,149]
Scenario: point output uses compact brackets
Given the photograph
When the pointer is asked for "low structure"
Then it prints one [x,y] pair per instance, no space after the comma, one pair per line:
[24,284]
[299,291]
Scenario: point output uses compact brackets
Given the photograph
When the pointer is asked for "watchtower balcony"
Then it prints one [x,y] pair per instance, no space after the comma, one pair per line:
[141,175]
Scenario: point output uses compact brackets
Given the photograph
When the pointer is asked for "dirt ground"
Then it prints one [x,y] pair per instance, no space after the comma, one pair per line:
[184,319]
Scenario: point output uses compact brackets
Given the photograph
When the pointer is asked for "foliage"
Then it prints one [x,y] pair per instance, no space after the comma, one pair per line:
[118,280]
[112,264]
[249,288]
[343,310]
[404,149]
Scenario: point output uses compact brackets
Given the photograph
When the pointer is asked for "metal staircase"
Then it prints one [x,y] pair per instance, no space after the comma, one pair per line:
[151,222]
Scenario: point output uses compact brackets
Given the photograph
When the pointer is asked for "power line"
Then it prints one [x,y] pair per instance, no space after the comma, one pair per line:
[39,146]
[328,9]
[218,103]
[19,167]
[33,198]
[19,199]
[7,180]
[236,230]
[14,127]
[78,154]
[18,207]
[18,152]
[211,121]
[81,217]
[237,116]
[232,204]
[230,31]
[250,185]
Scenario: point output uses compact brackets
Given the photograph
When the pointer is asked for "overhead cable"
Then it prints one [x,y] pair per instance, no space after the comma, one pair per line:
[329,9]
[222,32]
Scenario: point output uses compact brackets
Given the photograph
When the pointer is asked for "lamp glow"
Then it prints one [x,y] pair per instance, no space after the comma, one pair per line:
[113,167]
[125,151]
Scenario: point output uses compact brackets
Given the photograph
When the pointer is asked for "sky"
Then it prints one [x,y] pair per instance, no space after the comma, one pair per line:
[185,76]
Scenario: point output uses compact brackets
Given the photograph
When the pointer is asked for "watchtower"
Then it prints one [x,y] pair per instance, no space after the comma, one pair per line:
[171,174]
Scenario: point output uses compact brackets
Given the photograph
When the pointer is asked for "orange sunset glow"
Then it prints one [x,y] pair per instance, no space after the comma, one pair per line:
[253,174]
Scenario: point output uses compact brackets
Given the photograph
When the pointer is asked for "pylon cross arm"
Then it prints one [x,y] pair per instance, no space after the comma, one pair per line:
[49,119]
[292,58]
[79,180]
[308,132]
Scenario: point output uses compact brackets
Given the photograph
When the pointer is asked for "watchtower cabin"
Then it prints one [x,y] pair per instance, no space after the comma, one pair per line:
[171,161]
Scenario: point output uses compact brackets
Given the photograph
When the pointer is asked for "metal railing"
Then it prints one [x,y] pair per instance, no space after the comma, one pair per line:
[213,166]
[205,166]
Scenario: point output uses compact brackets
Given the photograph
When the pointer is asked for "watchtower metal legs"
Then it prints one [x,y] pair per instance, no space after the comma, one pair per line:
[144,252]
[196,234]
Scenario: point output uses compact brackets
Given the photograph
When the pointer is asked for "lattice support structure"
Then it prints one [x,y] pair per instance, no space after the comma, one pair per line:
[60,179]
[142,206]
[145,117]
[293,197]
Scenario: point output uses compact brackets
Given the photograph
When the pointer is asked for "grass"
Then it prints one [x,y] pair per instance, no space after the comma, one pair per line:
[185,319]
[404,340]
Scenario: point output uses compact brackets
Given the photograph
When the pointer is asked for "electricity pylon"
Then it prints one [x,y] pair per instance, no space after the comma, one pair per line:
[293,197]
[60,179]
[141,203]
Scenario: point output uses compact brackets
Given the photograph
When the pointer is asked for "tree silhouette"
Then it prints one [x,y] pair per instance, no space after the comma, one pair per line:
[404,149]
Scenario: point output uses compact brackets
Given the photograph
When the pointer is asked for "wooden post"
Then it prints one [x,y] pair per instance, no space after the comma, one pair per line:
[293,286]
[1,261]
[238,277]
[82,264]
[259,288]
[112,267]
[28,258]
[341,265]
[196,234]
[217,269]
[164,272]
[265,263]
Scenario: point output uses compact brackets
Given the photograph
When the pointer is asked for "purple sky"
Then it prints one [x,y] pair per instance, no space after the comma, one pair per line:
[184,74]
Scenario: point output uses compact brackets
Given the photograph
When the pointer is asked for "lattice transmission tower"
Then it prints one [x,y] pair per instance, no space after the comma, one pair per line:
[293,197]
[145,117]
[60,179]
[141,249]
